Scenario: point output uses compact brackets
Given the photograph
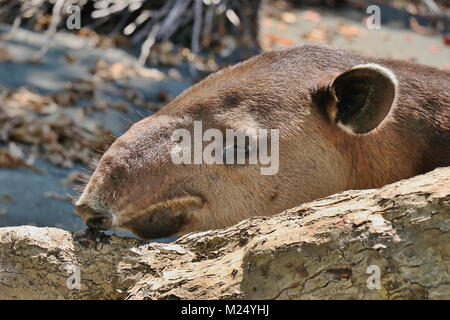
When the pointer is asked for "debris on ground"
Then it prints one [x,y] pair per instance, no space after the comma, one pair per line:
[12,157]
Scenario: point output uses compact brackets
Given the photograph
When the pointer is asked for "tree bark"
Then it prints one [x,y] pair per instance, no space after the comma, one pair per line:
[332,248]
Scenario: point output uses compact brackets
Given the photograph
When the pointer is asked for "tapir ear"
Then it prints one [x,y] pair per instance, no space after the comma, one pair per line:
[361,98]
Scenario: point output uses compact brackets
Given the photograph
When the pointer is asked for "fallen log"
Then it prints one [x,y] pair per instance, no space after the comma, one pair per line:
[387,243]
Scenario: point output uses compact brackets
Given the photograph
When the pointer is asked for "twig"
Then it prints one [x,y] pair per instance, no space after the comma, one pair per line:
[51,32]
[198,6]
[147,45]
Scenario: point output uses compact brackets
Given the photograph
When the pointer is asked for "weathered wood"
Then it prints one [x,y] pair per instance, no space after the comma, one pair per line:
[322,249]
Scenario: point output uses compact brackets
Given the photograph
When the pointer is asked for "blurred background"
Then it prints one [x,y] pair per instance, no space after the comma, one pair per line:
[75,74]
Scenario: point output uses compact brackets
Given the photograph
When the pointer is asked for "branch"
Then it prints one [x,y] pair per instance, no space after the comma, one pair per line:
[322,249]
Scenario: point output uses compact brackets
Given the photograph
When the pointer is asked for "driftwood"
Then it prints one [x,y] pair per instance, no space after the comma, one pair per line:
[333,248]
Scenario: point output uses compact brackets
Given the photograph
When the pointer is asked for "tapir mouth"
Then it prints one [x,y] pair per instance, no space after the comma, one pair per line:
[162,219]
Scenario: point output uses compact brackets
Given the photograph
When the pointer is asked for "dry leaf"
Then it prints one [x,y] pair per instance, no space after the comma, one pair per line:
[6,198]
[447,39]
[415,26]
[5,56]
[288,17]
[70,58]
[118,70]
[25,98]
[149,73]
[409,37]
[12,158]
[62,138]
[281,27]
[318,35]
[273,38]
[349,31]
[267,22]
[311,15]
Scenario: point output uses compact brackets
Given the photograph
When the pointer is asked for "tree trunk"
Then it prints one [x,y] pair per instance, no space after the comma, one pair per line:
[387,243]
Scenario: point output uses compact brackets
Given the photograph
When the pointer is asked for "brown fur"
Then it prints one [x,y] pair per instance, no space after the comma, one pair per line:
[284,90]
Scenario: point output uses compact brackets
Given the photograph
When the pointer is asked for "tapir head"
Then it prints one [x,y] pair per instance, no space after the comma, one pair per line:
[295,114]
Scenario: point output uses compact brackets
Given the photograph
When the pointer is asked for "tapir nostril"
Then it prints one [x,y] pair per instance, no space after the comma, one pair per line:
[100,220]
